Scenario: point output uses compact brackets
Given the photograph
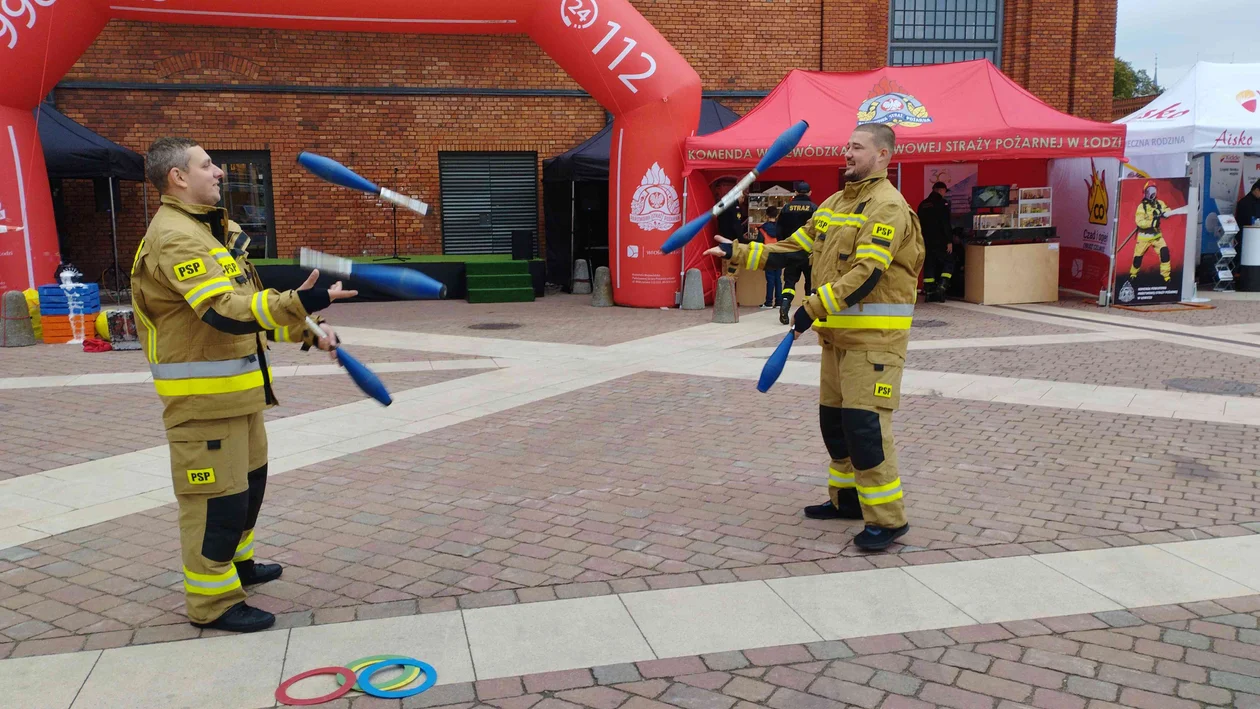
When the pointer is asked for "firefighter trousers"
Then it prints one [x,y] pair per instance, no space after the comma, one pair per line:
[1145,244]
[219,472]
[859,391]
[938,269]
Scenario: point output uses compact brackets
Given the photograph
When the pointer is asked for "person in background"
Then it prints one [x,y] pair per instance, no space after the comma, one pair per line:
[767,233]
[1247,213]
[794,216]
[938,240]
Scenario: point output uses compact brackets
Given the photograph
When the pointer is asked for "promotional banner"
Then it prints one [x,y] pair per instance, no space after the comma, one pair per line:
[1082,212]
[1152,236]
[959,177]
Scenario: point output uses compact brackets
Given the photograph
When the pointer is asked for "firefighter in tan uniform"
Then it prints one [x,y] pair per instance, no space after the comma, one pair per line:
[203,319]
[866,251]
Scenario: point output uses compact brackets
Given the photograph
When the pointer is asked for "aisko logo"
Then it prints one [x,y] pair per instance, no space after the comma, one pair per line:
[1167,113]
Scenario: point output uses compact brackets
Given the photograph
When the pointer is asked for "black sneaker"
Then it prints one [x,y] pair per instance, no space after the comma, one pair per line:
[829,511]
[252,573]
[878,538]
[241,618]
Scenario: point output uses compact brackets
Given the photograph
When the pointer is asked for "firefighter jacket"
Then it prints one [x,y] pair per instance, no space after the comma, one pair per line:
[202,314]
[866,251]
[794,215]
[934,220]
[1148,217]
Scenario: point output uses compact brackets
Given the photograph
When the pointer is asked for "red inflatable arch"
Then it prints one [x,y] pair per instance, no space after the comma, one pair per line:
[605,45]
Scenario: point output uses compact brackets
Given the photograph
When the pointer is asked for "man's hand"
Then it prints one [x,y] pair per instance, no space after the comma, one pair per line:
[801,322]
[335,293]
[329,341]
[721,239]
[949,248]
[723,250]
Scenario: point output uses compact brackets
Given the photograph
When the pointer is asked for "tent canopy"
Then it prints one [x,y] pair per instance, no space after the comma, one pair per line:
[588,162]
[1214,109]
[961,111]
[74,152]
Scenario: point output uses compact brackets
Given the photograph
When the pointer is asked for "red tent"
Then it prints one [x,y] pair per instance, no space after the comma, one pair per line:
[944,112]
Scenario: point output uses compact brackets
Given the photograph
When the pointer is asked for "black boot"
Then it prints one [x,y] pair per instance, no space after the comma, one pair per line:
[252,573]
[240,618]
[846,507]
[784,306]
[878,538]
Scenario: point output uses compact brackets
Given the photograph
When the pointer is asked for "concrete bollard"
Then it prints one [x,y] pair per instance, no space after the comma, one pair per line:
[602,296]
[725,309]
[581,277]
[16,319]
[693,290]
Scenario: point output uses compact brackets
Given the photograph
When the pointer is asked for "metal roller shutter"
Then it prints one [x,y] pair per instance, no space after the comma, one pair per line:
[485,197]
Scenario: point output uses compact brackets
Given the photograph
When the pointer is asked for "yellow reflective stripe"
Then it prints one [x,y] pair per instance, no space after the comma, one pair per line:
[210,385]
[882,494]
[283,334]
[866,322]
[929,280]
[209,289]
[947,275]
[211,584]
[789,291]
[828,295]
[150,334]
[802,239]
[754,255]
[245,550]
[878,253]
[841,479]
[136,261]
[262,310]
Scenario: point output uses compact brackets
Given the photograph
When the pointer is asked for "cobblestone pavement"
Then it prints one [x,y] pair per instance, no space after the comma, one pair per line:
[1140,364]
[554,500]
[51,427]
[555,318]
[1221,312]
[1166,657]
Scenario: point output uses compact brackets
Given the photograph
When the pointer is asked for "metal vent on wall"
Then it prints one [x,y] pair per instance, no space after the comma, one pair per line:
[485,197]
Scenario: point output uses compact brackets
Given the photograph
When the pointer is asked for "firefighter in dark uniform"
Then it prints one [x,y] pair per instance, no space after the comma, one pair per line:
[793,216]
[867,252]
[938,242]
[203,318]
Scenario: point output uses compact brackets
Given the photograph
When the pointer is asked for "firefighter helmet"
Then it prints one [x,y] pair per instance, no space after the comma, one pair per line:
[1149,191]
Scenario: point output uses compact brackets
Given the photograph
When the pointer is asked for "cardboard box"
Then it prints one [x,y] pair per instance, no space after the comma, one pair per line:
[1012,273]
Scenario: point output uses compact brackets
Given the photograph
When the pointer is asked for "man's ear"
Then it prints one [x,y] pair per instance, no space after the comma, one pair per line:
[176,177]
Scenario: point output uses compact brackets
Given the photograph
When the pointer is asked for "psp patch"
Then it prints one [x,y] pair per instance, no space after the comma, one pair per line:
[883,391]
[230,269]
[190,269]
[883,231]
[201,476]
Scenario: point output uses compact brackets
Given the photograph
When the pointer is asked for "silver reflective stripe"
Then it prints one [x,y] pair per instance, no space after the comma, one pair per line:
[211,584]
[879,309]
[240,553]
[877,495]
[205,370]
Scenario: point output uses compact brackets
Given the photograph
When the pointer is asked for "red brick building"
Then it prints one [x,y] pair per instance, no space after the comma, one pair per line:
[259,97]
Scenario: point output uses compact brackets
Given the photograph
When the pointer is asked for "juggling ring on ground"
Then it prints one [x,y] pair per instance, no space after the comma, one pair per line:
[348,680]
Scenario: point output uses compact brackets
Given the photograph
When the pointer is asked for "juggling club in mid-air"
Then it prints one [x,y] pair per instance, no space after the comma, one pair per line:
[339,174]
[398,281]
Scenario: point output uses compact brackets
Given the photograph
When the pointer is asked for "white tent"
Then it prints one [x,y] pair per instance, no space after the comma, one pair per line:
[1206,127]
[1214,109]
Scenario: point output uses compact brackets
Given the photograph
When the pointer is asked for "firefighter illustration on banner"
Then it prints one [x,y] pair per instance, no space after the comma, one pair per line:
[1151,255]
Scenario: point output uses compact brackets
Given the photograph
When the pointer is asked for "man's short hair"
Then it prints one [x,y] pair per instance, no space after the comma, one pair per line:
[772,211]
[884,136]
[940,186]
[1256,186]
[164,154]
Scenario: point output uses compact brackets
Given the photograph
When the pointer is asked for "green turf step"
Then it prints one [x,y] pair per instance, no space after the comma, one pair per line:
[496,268]
[512,280]
[501,295]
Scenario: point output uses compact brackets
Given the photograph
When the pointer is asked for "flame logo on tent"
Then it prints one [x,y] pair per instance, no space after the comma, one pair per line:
[891,104]
[1097,195]
[1248,99]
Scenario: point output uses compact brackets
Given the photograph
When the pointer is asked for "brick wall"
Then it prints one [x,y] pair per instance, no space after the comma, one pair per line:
[744,45]
[1122,107]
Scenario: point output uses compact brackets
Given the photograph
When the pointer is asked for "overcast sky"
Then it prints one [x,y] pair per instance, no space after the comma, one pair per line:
[1186,31]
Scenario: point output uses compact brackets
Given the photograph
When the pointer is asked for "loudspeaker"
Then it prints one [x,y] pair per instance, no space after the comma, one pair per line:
[522,245]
